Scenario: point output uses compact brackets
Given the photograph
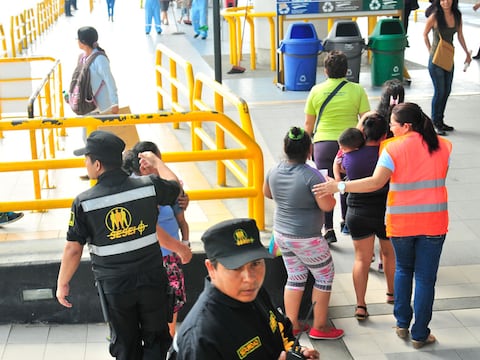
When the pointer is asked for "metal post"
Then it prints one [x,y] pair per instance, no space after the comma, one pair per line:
[216,41]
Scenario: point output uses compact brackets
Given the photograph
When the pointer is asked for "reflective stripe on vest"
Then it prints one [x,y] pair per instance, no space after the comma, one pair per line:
[118,198]
[411,209]
[124,247]
[419,185]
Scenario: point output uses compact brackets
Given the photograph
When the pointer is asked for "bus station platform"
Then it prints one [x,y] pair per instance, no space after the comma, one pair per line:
[38,238]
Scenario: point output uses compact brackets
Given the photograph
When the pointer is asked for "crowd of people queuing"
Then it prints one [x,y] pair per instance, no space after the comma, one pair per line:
[389,164]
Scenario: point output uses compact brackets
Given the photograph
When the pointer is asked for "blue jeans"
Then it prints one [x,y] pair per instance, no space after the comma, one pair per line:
[442,86]
[419,256]
[110,6]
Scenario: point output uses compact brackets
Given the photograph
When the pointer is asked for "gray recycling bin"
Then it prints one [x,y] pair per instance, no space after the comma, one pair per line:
[387,43]
[301,47]
[345,36]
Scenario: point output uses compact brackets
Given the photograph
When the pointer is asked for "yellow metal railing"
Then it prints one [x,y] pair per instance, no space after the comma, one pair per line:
[234,17]
[194,98]
[45,101]
[3,42]
[180,93]
[242,148]
[201,137]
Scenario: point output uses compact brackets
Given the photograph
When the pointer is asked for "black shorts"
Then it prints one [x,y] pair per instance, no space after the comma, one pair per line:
[362,225]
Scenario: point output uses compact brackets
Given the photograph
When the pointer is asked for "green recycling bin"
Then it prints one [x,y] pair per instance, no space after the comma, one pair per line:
[387,43]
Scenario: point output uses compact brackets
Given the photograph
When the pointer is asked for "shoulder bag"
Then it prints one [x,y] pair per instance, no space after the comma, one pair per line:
[332,94]
[443,56]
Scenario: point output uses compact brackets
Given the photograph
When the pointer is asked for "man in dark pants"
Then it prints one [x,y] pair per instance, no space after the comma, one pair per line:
[117,219]
[68,10]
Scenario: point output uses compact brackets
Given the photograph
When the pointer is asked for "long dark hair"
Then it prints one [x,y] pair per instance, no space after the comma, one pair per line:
[440,15]
[393,93]
[131,162]
[296,144]
[410,113]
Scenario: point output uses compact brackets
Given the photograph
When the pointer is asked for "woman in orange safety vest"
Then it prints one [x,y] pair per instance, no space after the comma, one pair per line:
[416,162]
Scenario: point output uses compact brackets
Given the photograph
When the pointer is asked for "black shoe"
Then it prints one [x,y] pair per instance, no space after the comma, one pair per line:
[446,127]
[330,236]
[476,57]
[196,35]
[440,132]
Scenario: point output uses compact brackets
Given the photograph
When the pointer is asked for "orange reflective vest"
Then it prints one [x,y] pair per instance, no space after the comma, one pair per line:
[417,199]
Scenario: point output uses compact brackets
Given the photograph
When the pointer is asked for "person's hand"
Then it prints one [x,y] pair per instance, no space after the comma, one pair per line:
[310,353]
[326,188]
[183,200]
[114,109]
[468,59]
[148,161]
[476,6]
[185,254]
[62,293]
[307,353]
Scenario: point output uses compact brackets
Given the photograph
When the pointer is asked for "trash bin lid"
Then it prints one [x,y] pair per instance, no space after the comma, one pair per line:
[388,27]
[344,28]
[301,30]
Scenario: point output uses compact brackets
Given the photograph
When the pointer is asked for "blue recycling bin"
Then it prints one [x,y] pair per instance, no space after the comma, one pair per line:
[300,47]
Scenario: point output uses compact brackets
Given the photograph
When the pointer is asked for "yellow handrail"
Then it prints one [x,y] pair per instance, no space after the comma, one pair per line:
[243,148]
[170,74]
[234,17]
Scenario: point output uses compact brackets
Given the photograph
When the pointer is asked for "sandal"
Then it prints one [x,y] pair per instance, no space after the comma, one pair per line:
[361,316]
[390,298]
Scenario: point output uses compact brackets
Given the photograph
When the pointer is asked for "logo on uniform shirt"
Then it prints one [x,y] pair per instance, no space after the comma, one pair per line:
[273,322]
[241,237]
[118,220]
[249,347]
[71,222]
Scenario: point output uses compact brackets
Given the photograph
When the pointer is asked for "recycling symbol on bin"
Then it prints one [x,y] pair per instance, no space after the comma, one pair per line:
[349,72]
[396,69]
[302,78]
[328,7]
[375,5]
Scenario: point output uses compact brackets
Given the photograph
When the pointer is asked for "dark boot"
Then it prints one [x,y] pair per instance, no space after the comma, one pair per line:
[476,57]
[439,129]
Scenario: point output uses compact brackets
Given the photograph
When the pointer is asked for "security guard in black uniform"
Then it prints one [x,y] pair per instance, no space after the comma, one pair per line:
[234,317]
[116,218]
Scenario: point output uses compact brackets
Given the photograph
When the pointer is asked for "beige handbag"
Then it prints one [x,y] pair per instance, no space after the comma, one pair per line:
[443,56]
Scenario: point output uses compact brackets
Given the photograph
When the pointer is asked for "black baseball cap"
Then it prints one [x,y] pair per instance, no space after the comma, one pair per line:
[105,146]
[233,243]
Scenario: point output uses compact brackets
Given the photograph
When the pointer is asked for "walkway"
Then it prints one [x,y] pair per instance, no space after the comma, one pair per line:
[456,320]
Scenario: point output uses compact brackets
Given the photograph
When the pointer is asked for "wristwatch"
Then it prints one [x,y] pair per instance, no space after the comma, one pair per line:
[341,187]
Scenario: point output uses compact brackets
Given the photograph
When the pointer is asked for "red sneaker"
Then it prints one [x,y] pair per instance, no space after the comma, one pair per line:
[303,327]
[332,334]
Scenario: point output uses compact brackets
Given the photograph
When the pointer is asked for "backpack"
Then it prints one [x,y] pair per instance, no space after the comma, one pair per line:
[80,95]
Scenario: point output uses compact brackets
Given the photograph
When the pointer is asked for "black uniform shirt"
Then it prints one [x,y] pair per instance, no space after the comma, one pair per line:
[219,327]
[117,219]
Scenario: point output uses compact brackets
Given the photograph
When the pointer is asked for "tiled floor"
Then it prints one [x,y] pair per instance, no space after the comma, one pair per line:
[456,319]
